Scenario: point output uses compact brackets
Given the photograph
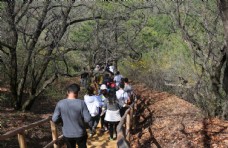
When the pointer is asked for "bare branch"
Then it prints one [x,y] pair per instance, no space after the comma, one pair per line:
[82,20]
[5,45]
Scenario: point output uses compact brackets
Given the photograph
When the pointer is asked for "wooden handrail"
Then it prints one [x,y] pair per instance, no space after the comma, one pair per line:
[123,132]
[21,133]
[23,128]
[53,142]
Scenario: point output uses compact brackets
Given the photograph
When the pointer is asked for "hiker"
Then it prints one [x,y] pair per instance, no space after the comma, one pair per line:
[95,85]
[112,85]
[123,98]
[98,73]
[112,116]
[103,96]
[93,105]
[117,78]
[128,89]
[107,79]
[73,113]
[97,68]
[84,78]
[111,68]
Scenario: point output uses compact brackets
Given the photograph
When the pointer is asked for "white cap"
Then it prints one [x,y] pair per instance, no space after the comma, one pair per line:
[103,87]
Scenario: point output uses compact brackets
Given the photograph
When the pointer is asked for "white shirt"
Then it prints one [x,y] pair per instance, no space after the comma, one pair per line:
[122,96]
[92,104]
[117,79]
[111,68]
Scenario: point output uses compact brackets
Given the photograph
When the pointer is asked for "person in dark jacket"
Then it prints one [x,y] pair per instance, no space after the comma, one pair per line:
[74,114]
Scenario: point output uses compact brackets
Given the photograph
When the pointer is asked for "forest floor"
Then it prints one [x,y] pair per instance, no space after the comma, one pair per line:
[162,119]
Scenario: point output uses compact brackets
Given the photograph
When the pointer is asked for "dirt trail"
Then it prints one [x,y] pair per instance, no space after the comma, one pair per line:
[164,120]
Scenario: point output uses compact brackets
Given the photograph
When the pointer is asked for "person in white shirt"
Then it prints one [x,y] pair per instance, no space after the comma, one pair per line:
[127,86]
[93,106]
[123,98]
[118,78]
[111,68]
[103,97]
[97,68]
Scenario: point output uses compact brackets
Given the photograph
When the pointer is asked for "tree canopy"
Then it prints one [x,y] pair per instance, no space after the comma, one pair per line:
[177,46]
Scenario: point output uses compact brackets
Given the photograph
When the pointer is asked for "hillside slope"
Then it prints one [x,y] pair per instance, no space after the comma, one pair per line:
[164,120]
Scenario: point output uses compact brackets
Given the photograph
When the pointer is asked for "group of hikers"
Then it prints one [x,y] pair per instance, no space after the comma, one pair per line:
[108,97]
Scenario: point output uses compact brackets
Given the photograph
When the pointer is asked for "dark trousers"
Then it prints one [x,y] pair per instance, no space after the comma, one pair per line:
[122,111]
[81,142]
[112,128]
[103,124]
[95,121]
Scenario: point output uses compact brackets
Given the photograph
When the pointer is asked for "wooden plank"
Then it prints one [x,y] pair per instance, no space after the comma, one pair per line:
[54,133]
[21,140]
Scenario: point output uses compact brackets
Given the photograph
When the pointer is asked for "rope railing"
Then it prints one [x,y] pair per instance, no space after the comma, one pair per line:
[125,125]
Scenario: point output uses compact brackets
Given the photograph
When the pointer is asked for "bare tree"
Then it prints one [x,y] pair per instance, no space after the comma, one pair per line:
[34,37]
[111,39]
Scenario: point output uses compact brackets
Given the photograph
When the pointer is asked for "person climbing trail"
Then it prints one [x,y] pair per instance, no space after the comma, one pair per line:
[107,79]
[73,113]
[103,95]
[123,98]
[128,89]
[117,78]
[112,116]
[93,105]
[95,85]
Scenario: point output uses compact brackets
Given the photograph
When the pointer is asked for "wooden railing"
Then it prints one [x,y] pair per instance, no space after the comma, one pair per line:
[20,132]
[125,125]
[123,130]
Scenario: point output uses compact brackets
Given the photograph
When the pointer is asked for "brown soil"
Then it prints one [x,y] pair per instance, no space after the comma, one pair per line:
[164,120]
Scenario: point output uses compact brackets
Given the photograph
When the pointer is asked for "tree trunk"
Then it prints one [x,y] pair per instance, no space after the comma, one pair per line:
[13,79]
[28,104]
[13,53]
[225,79]
[223,7]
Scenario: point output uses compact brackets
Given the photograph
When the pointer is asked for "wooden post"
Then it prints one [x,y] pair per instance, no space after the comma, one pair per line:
[54,133]
[132,117]
[21,140]
[128,126]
